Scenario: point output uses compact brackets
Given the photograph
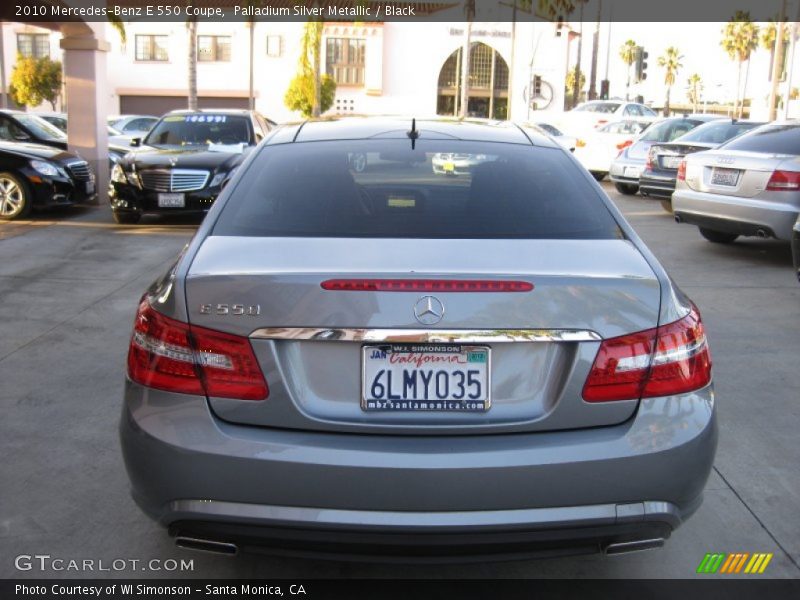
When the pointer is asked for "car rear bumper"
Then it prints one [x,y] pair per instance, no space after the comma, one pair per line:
[732,214]
[291,489]
[655,185]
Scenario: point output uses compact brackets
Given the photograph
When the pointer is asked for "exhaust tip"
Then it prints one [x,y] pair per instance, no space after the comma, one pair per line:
[632,546]
[210,546]
[678,218]
[762,234]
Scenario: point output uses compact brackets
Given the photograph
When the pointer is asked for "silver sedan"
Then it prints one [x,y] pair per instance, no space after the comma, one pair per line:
[749,186]
[391,362]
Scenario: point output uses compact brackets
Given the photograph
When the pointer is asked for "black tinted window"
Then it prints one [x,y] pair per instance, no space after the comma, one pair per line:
[199,129]
[773,139]
[442,189]
[666,131]
[717,132]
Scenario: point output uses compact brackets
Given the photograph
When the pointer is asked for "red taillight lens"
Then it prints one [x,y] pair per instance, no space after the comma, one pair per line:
[169,355]
[425,285]
[672,359]
[648,163]
[682,171]
[622,145]
[784,181]
[600,123]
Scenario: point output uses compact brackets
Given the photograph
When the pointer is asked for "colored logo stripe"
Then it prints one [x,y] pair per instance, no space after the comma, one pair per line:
[718,562]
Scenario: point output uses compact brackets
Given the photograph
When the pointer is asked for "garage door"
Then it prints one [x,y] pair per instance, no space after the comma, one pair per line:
[158,105]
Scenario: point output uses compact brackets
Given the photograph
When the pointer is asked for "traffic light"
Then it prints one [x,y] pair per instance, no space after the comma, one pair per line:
[537,86]
[604,89]
[640,72]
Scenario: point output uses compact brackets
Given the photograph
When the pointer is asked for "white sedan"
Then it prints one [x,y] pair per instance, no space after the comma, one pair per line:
[589,116]
[597,149]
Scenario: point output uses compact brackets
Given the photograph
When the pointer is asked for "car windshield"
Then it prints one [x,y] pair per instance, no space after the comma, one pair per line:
[199,130]
[549,129]
[598,107]
[772,139]
[41,128]
[668,130]
[716,132]
[440,189]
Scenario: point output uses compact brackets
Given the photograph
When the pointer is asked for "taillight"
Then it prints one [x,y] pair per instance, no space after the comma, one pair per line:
[671,359]
[622,145]
[682,171]
[784,181]
[579,143]
[426,285]
[600,123]
[648,163]
[170,355]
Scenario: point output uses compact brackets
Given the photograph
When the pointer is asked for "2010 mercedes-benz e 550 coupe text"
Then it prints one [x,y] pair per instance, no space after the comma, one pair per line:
[392,362]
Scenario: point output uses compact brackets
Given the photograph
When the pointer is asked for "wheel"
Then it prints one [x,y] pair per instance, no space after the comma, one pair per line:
[628,189]
[667,205]
[599,175]
[15,197]
[358,161]
[718,237]
[126,218]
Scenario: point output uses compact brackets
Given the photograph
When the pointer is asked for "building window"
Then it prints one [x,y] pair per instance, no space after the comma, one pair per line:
[213,48]
[151,48]
[345,60]
[274,45]
[33,45]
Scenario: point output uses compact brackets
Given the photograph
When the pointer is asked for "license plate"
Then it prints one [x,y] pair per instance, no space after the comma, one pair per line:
[171,201]
[449,167]
[632,172]
[671,162]
[727,177]
[425,377]
[90,187]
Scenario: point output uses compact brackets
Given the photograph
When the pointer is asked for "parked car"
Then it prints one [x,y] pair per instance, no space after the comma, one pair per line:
[34,176]
[60,120]
[387,362]
[661,167]
[597,149]
[587,116]
[749,186]
[567,141]
[132,125]
[628,166]
[183,163]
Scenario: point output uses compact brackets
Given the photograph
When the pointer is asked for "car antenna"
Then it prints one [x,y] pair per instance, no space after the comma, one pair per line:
[413,134]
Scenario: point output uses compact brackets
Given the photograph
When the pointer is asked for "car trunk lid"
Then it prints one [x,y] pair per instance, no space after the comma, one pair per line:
[733,172]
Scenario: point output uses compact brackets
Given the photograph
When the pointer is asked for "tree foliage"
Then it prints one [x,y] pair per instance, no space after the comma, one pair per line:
[694,90]
[670,61]
[570,82]
[310,92]
[36,80]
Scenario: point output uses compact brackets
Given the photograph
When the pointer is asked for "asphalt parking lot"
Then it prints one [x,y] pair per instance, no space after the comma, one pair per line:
[69,285]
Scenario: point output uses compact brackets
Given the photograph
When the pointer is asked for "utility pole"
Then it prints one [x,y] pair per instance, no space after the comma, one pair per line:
[595,49]
[3,90]
[509,102]
[777,63]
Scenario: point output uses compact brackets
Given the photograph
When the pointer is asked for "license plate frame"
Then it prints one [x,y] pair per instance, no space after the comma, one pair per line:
[172,200]
[90,188]
[725,177]
[448,404]
[671,162]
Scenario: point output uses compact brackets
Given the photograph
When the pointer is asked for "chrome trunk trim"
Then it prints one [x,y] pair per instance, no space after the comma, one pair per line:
[456,336]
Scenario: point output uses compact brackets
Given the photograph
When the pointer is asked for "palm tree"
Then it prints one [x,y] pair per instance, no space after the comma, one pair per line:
[695,88]
[628,55]
[739,39]
[469,14]
[671,61]
[191,30]
[768,35]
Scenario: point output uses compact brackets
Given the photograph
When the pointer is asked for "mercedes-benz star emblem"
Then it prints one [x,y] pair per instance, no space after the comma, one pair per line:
[173,160]
[429,310]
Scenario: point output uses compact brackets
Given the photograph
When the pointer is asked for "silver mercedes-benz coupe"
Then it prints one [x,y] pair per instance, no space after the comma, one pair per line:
[393,362]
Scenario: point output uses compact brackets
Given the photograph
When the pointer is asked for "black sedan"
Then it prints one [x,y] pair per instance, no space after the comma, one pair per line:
[661,168]
[38,176]
[183,163]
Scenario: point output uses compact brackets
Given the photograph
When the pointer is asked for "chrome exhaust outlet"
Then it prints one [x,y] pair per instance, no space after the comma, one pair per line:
[678,218]
[762,234]
[210,546]
[633,546]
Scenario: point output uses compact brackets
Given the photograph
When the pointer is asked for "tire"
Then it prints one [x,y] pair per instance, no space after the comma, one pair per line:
[667,205]
[126,218]
[16,197]
[718,237]
[627,189]
[599,175]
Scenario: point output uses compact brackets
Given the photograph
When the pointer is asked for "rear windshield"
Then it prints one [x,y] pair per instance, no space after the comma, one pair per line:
[441,189]
[666,131]
[717,132]
[772,139]
[199,130]
[598,107]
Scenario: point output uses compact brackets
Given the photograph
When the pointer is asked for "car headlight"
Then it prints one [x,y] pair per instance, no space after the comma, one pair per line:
[220,177]
[45,168]
[117,174]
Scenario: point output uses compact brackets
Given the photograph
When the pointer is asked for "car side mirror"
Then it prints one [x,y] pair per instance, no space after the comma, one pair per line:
[136,142]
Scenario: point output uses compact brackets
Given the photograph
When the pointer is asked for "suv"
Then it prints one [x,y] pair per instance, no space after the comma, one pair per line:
[183,163]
